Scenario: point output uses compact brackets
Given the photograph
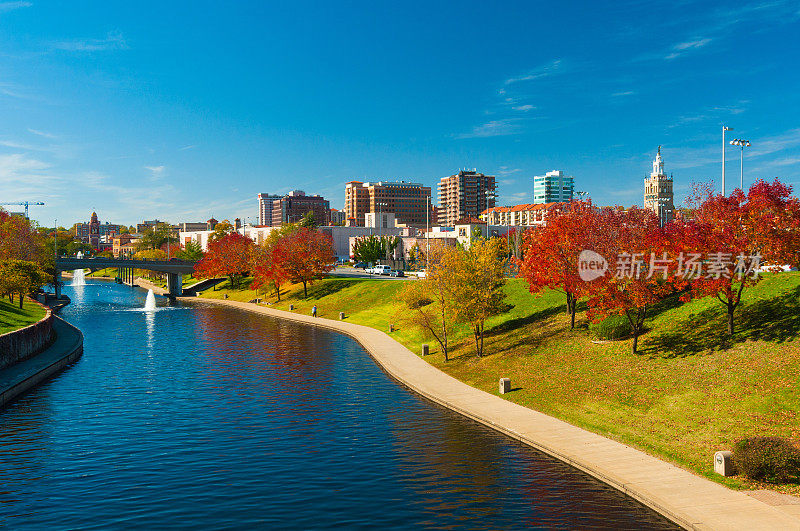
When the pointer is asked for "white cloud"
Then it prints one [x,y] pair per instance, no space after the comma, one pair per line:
[5,7]
[41,133]
[539,72]
[184,148]
[156,172]
[624,93]
[524,108]
[113,41]
[505,127]
[699,43]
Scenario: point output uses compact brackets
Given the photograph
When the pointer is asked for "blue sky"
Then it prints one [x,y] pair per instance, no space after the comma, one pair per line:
[185,110]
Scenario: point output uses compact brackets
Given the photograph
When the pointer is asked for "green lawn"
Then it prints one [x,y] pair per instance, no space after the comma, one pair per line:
[690,391]
[12,318]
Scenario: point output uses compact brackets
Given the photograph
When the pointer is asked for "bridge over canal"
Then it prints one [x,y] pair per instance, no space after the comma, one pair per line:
[175,269]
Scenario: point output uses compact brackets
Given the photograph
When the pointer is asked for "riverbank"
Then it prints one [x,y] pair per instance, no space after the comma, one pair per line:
[12,317]
[686,499]
[66,348]
[691,391]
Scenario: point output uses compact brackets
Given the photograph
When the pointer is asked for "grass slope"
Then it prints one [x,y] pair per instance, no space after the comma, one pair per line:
[690,391]
[13,318]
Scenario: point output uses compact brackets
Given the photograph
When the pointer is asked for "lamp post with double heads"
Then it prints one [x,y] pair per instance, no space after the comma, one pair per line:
[724,128]
[742,143]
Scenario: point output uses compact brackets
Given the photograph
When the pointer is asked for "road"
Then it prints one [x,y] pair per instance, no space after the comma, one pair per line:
[351,272]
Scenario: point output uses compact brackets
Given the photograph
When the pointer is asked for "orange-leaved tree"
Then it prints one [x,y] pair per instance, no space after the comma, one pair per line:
[550,253]
[304,256]
[739,234]
[228,256]
[266,267]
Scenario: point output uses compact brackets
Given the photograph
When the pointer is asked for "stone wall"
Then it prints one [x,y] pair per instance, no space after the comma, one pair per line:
[23,343]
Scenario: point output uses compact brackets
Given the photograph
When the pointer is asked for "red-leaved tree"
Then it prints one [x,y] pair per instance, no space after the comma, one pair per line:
[304,256]
[641,273]
[738,234]
[550,253]
[228,256]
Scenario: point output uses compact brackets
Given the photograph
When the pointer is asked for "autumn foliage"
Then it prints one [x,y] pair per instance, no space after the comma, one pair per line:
[229,256]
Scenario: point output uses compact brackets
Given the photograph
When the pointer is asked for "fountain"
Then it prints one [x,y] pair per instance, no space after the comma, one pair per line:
[78,277]
[150,302]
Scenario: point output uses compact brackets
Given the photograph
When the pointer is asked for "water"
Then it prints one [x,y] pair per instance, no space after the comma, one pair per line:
[78,277]
[197,415]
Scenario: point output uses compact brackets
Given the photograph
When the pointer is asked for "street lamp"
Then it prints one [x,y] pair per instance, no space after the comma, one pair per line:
[723,156]
[742,143]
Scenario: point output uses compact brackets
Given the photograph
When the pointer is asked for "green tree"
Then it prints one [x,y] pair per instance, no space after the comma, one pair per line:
[20,277]
[191,251]
[155,237]
[373,248]
[221,229]
[309,221]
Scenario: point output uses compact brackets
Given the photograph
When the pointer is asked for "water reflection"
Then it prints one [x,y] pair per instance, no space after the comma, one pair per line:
[211,416]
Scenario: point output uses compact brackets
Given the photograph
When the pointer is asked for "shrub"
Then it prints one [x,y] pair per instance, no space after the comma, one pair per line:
[612,327]
[771,459]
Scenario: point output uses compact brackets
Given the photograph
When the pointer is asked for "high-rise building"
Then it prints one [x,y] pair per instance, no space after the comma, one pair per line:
[658,195]
[265,203]
[337,217]
[553,187]
[292,207]
[409,202]
[465,195]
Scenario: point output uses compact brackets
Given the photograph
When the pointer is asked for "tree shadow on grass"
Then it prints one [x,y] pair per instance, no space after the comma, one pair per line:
[519,322]
[775,320]
[319,290]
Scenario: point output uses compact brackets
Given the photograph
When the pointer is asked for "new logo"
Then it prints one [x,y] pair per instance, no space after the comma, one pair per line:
[591,265]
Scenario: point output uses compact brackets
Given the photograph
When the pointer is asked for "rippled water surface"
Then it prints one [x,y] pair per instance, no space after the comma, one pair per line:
[197,415]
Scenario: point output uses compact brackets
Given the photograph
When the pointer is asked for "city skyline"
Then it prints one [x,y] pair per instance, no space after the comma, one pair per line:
[190,114]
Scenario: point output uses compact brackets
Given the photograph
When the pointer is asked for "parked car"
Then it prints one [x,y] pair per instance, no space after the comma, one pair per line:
[380,270]
[397,273]
[360,265]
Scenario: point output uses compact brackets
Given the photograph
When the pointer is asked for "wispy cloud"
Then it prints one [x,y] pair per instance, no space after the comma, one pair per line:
[41,133]
[184,148]
[505,127]
[5,7]
[539,72]
[113,41]
[524,108]
[156,172]
[623,93]
[684,47]
[505,170]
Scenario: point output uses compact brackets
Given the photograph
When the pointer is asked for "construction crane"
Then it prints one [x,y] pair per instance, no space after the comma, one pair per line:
[25,204]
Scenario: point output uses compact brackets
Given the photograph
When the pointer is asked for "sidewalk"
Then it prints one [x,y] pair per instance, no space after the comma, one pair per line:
[686,499]
[19,378]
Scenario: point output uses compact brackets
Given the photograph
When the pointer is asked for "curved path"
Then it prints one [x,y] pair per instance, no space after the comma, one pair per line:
[688,500]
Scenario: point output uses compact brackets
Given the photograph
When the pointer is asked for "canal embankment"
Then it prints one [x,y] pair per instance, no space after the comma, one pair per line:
[60,345]
[688,500]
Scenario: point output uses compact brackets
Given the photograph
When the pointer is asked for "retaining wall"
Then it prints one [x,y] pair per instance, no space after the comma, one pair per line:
[23,343]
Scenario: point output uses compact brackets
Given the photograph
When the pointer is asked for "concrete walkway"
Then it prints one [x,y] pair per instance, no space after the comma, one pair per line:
[21,377]
[686,499]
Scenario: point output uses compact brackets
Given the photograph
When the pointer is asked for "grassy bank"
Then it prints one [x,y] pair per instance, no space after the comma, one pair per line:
[13,318]
[690,391]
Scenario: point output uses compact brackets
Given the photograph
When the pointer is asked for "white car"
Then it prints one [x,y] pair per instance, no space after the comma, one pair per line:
[380,270]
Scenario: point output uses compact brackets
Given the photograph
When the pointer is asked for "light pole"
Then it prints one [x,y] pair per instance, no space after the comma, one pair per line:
[724,128]
[742,143]
[427,230]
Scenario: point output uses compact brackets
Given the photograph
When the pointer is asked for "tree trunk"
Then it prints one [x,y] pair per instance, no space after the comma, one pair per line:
[477,345]
[20,301]
[481,339]
[571,306]
[730,319]
[278,291]
[305,291]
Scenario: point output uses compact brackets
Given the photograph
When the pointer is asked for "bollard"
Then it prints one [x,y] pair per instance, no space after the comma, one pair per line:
[291,306]
[424,349]
[341,316]
[723,463]
[391,328]
[505,385]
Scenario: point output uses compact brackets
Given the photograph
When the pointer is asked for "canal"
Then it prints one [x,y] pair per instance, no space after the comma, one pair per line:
[199,415]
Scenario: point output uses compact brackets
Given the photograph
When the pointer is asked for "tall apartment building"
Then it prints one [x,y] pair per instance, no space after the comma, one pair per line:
[292,207]
[658,195]
[553,187]
[409,202]
[465,195]
[265,203]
